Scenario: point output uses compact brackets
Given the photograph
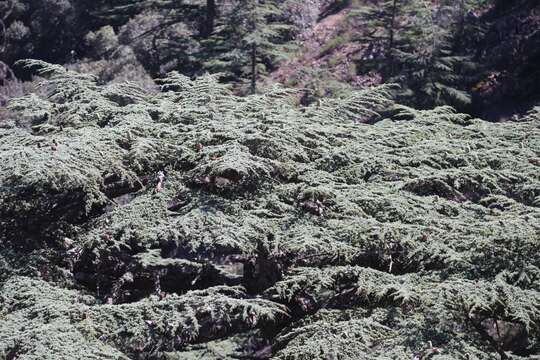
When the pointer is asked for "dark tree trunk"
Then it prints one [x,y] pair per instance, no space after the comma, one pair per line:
[253,68]
[210,16]
[460,33]
[389,51]
[156,61]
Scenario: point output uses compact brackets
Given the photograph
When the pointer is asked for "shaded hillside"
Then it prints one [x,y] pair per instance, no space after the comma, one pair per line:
[511,50]
[499,39]
[192,223]
[479,56]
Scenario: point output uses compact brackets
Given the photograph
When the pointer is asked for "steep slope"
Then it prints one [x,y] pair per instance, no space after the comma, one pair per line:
[325,63]
[319,44]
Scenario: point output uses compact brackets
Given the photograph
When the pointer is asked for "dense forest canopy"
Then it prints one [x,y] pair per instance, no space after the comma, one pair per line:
[269,179]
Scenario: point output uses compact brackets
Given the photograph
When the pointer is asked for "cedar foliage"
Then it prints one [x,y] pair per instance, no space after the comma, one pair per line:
[411,42]
[240,39]
[248,41]
[192,223]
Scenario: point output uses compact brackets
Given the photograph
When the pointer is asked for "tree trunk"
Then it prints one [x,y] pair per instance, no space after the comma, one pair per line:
[156,61]
[389,51]
[253,68]
[461,27]
[210,16]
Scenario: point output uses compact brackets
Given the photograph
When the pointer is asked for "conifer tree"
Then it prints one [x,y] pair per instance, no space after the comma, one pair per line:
[431,71]
[410,43]
[239,39]
[166,34]
[249,41]
[386,27]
